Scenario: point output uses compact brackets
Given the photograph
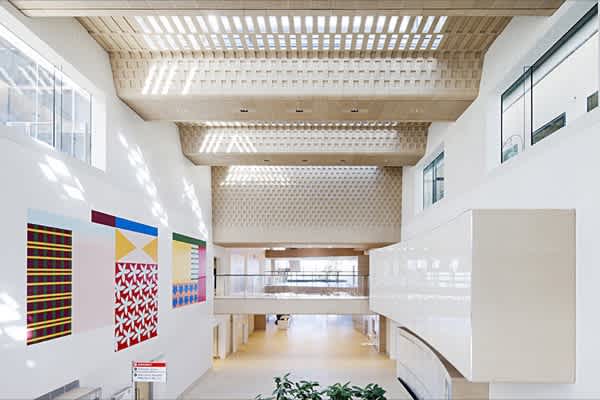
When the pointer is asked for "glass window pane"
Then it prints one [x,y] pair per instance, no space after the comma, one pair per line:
[428,186]
[439,178]
[516,117]
[26,93]
[555,91]
[75,112]
[44,123]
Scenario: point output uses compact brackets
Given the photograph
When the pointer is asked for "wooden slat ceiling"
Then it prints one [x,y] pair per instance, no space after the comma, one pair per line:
[80,8]
[283,36]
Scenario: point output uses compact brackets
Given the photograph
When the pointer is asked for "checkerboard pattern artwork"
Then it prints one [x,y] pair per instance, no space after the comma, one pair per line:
[49,283]
[189,270]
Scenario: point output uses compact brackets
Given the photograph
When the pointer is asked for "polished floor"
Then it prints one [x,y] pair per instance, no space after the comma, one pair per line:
[326,349]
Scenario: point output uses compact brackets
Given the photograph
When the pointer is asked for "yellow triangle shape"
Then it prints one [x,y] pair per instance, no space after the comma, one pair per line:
[123,246]
[152,249]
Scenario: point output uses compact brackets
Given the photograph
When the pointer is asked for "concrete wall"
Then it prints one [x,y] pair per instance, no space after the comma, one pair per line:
[306,204]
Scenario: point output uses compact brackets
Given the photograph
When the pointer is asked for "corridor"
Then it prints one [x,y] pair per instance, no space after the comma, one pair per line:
[323,348]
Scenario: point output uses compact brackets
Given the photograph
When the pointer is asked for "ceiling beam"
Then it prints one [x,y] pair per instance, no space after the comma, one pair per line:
[419,89]
[82,8]
[313,252]
[288,143]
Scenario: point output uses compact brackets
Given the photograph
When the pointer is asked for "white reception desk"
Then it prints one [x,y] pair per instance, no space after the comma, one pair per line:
[493,291]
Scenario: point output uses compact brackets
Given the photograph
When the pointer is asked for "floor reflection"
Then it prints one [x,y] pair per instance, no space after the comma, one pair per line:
[323,348]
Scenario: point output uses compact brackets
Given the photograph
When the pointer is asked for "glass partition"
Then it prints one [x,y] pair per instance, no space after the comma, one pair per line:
[293,284]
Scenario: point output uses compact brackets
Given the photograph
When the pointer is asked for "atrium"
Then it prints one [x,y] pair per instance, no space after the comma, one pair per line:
[239,199]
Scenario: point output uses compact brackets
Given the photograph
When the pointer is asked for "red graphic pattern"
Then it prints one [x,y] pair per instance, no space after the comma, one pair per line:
[136,303]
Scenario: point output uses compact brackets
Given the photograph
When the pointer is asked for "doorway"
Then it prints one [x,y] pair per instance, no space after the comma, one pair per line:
[143,391]
[216,341]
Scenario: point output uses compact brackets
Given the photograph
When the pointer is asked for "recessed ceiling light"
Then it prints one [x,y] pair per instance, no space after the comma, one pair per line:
[299,110]
[244,110]
[354,110]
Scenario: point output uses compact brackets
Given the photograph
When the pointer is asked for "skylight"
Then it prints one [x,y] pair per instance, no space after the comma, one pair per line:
[332,24]
[321,24]
[308,21]
[368,23]
[249,24]
[345,21]
[237,22]
[273,22]
[304,33]
[356,24]
[285,24]
[214,23]
[178,24]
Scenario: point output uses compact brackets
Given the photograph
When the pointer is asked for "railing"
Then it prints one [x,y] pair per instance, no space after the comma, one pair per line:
[292,284]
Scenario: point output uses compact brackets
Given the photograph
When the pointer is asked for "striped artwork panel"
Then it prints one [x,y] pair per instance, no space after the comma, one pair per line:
[195,263]
[189,270]
[49,283]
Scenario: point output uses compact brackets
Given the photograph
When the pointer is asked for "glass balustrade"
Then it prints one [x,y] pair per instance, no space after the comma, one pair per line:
[301,284]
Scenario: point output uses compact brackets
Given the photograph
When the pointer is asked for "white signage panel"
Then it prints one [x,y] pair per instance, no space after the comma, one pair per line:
[151,371]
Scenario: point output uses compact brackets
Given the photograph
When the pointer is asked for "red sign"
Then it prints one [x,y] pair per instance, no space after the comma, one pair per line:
[158,364]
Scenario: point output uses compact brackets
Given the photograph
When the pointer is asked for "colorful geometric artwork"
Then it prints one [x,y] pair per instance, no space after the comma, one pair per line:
[49,283]
[189,270]
[136,280]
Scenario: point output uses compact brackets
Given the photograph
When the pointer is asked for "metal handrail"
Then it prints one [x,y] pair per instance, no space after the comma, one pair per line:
[296,273]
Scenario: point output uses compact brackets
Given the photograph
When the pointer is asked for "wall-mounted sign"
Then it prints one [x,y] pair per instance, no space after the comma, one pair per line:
[152,371]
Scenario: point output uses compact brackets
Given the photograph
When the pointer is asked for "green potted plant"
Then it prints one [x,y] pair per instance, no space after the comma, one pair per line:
[286,389]
[370,392]
[339,391]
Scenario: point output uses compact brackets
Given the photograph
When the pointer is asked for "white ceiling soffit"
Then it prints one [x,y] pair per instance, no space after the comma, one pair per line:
[386,143]
[79,8]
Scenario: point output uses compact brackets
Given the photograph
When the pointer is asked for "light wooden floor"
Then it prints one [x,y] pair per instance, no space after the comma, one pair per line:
[326,349]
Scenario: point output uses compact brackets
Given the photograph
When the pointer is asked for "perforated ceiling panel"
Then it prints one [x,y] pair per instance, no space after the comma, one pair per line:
[306,204]
[359,143]
[449,74]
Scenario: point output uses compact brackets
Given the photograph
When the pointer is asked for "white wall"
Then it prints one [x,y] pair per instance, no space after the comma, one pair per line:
[184,337]
[558,172]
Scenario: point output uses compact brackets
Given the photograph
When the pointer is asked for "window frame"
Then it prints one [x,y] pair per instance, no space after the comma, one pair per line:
[434,195]
[527,76]
[20,39]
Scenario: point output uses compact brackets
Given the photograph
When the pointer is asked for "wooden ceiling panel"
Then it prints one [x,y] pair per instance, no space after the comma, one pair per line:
[193,33]
[80,8]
